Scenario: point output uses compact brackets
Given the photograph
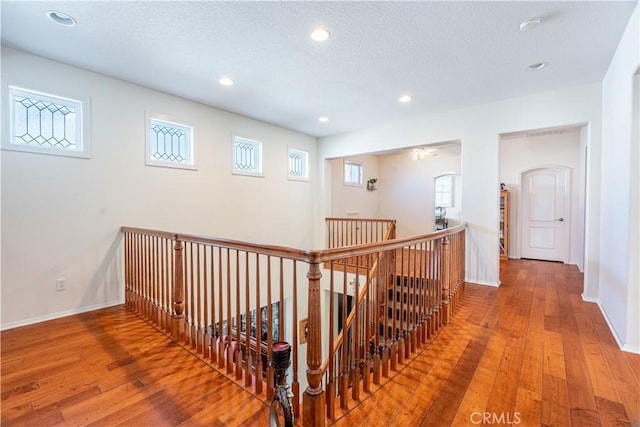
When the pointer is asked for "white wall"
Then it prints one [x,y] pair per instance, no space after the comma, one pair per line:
[61,216]
[619,294]
[520,153]
[406,188]
[479,128]
[350,201]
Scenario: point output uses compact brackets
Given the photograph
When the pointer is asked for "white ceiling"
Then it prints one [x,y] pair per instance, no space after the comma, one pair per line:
[445,54]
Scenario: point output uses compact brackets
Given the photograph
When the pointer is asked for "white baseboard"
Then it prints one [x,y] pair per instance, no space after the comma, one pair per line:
[624,347]
[482,282]
[38,319]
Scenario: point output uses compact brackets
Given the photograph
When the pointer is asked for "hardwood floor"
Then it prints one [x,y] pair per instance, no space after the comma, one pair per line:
[528,353]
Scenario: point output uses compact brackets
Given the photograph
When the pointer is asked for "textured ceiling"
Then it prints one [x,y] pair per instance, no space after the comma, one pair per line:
[445,54]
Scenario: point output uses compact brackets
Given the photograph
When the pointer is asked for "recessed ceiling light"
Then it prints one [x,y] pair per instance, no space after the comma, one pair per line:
[320,35]
[323,119]
[529,24]
[537,66]
[61,18]
[226,81]
[405,98]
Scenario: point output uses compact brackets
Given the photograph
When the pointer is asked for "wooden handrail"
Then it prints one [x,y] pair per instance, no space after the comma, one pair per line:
[326,255]
[263,249]
[305,255]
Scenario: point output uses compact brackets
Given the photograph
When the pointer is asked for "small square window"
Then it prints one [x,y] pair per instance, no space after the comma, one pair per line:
[352,173]
[47,124]
[169,144]
[247,156]
[298,165]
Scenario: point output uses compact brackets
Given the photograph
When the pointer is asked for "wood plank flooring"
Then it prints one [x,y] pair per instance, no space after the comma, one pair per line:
[528,353]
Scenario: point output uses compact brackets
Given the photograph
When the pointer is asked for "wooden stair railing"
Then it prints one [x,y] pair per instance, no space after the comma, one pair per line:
[409,289]
[226,300]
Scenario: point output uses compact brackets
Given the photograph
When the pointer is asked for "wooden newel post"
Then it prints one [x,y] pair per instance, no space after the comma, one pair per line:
[314,396]
[177,321]
[444,268]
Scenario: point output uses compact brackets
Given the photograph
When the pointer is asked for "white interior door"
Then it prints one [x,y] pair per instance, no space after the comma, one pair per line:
[545,214]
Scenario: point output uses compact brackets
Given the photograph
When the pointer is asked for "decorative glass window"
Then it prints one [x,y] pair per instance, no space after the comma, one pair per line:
[298,164]
[44,123]
[444,191]
[169,144]
[247,156]
[352,173]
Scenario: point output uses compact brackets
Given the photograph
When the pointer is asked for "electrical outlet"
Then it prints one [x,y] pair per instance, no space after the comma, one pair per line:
[60,285]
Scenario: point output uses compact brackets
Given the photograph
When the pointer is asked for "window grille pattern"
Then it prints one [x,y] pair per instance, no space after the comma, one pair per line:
[170,142]
[444,192]
[298,164]
[352,173]
[45,121]
[247,156]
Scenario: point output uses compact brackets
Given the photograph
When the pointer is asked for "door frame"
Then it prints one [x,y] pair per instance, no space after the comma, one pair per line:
[566,256]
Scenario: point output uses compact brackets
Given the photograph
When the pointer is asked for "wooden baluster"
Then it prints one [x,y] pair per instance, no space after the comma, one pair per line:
[402,320]
[433,282]
[408,333]
[149,279]
[357,361]
[127,268]
[376,317]
[281,311]
[160,281]
[205,305]
[445,281]
[314,395]
[221,333]
[248,359]
[197,313]
[366,366]
[295,384]
[152,279]
[138,273]
[239,356]
[230,353]
[386,306]
[258,368]
[344,379]
[423,293]
[270,371]
[167,285]
[143,274]
[414,304]
[140,257]
[212,290]
[331,391]
[177,326]
[191,298]
[395,314]
[159,271]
